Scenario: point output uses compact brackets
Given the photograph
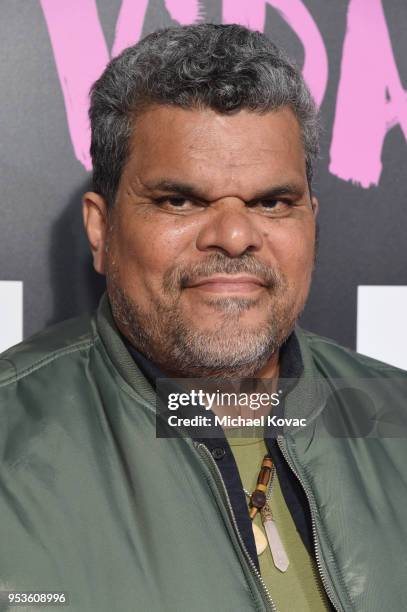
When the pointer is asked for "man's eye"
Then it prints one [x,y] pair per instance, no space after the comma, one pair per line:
[276,205]
[177,201]
[174,202]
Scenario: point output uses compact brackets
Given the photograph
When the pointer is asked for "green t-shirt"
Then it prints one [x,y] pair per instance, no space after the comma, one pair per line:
[299,588]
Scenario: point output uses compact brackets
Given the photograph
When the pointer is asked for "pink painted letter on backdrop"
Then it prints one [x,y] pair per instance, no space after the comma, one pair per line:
[370,98]
[252,13]
[185,12]
[131,19]
[81,55]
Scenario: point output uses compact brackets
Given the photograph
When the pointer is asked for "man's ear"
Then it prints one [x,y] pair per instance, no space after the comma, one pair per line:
[95,219]
[315,205]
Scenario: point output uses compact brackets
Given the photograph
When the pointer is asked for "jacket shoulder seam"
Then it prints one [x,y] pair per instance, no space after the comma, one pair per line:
[45,361]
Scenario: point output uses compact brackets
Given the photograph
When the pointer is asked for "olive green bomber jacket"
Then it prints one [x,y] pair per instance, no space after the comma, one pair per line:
[94,506]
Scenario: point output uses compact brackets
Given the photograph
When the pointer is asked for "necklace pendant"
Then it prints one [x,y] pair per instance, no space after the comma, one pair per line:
[278,552]
[259,538]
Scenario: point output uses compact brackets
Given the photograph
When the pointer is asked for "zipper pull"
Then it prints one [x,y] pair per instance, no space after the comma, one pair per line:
[278,552]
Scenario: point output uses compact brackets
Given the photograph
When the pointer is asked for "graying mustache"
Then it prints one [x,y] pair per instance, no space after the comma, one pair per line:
[182,277]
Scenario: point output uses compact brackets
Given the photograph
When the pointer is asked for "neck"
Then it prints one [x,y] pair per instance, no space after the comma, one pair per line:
[269,371]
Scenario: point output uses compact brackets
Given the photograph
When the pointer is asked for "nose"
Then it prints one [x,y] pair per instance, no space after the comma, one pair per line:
[231,229]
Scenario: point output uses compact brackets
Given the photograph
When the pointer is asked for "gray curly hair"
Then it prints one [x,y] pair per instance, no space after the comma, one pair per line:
[223,67]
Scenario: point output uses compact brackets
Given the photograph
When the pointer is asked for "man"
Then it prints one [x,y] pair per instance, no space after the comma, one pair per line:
[203,220]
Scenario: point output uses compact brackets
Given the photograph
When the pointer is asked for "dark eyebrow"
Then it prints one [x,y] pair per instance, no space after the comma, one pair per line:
[189,191]
[278,191]
[180,188]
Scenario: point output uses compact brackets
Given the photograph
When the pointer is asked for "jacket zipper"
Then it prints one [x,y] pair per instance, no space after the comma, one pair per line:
[321,569]
[209,460]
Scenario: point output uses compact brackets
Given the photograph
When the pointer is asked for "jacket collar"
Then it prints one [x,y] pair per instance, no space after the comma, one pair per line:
[140,373]
[118,353]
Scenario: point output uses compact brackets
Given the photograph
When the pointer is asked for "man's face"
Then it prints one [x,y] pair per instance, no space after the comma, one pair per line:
[210,245]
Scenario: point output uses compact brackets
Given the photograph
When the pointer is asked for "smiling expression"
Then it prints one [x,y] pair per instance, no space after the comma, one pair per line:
[209,248]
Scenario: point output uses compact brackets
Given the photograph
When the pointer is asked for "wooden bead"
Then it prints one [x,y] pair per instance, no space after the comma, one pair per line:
[258,499]
[252,512]
[264,476]
[267,462]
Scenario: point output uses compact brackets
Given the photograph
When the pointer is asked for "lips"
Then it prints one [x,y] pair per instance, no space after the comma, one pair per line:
[227,280]
[228,284]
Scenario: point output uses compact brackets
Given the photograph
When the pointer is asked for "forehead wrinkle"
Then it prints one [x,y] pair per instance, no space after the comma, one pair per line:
[228,158]
[135,186]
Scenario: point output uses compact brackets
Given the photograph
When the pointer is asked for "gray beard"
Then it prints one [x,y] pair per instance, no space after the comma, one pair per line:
[225,350]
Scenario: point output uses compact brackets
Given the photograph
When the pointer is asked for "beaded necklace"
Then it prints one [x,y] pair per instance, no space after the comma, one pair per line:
[259,499]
